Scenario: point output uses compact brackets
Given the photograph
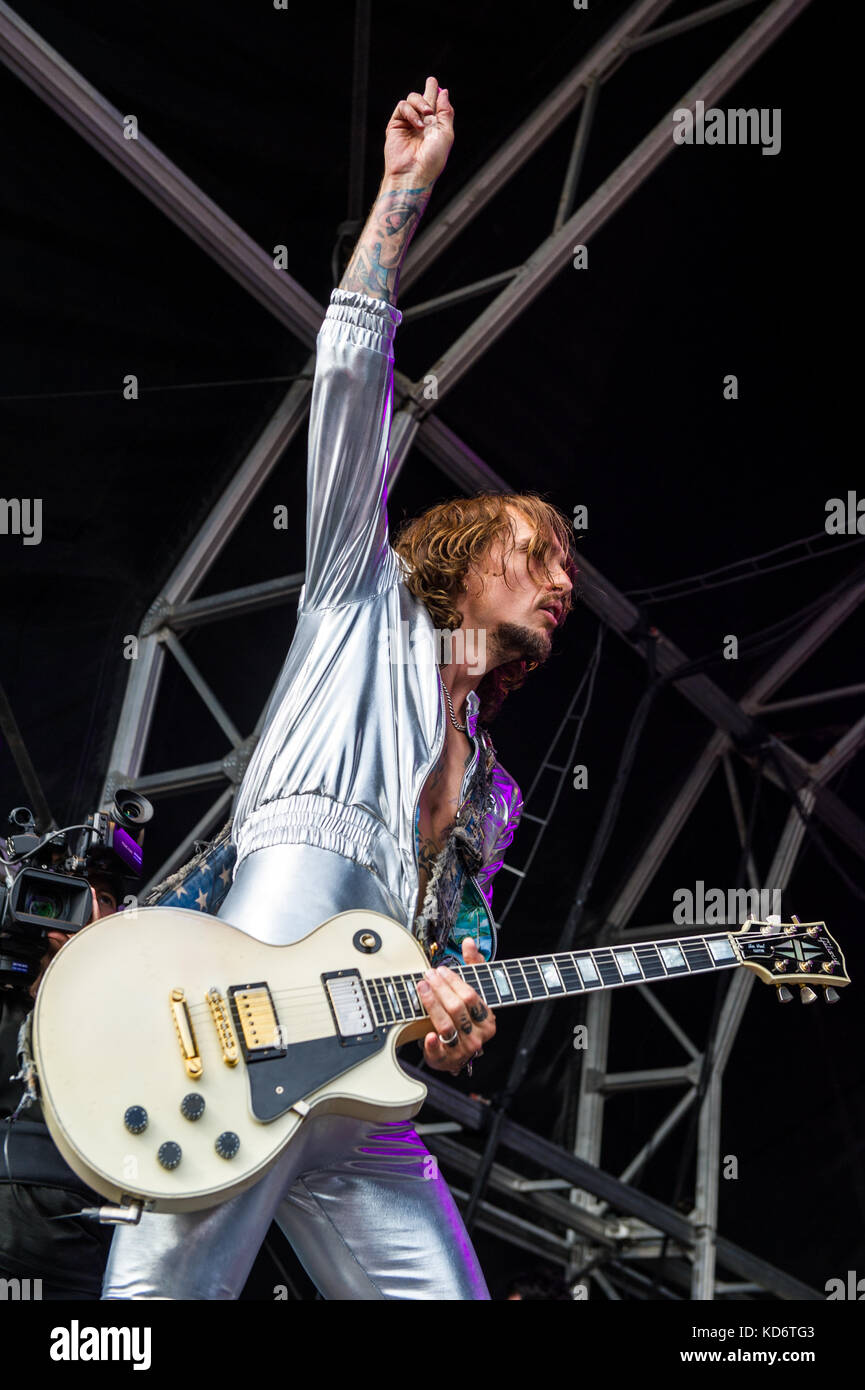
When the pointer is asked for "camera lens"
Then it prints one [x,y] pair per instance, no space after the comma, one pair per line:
[43,905]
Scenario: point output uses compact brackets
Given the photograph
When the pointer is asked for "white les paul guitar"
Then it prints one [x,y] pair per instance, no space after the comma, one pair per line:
[176,1056]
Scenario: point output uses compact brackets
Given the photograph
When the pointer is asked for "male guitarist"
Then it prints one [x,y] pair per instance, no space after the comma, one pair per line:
[374,786]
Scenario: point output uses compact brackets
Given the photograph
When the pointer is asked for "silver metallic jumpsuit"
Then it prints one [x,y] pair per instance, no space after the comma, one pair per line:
[325,822]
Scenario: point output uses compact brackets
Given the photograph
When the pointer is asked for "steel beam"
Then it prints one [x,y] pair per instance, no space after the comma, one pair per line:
[683,26]
[199,684]
[819,697]
[739,816]
[474,1115]
[555,253]
[659,1134]
[590,1110]
[525,1235]
[604,58]
[669,1022]
[179,779]
[836,612]
[41,68]
[607,1234]
[578,153]
[447,301]
[647,1078]
[234,603]
[705,1213]
[841,752]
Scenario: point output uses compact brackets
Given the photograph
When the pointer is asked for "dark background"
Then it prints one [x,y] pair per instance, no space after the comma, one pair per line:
[606,392]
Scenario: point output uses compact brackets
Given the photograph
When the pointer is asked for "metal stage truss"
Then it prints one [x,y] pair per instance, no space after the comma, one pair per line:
[594,1225]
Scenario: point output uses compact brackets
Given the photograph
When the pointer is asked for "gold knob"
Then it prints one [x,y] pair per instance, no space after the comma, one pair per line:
[805,966]
[828,966]
[780,965]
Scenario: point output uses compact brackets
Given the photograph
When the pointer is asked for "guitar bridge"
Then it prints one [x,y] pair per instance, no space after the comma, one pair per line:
[185,1034]
[257,1024]
[224,1030]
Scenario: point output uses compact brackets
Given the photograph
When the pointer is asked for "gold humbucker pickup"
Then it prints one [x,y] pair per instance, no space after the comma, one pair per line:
[185,1034]
[224,1030]
[255,1017]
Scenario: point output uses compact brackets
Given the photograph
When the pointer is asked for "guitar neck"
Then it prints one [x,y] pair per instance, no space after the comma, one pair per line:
[532,978]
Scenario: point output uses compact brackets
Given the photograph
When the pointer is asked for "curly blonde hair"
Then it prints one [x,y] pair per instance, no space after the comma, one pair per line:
[442,543]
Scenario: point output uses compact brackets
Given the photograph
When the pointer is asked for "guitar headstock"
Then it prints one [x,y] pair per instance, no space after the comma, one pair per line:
[793,953]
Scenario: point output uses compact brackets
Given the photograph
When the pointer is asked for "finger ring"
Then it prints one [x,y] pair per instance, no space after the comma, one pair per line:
[473,1058]
[451,1041]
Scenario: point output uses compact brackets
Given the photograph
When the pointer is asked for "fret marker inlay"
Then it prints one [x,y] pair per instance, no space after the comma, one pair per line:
[721,949]
[587,970]
[501,979]
[552,978]
[627,963]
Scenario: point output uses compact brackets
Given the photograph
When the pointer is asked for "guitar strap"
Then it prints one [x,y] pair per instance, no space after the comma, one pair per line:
[203,881]
[461,854]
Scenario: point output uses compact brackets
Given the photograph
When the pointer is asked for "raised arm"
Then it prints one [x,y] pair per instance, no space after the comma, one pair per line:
[347,555]
[417,143]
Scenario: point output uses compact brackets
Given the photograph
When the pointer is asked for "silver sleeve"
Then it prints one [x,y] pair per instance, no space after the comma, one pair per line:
[347,552]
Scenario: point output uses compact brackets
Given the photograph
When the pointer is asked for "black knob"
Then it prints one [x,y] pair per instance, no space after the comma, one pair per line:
[169,1154]
[227,1144]
[135,1119]
[192,1106]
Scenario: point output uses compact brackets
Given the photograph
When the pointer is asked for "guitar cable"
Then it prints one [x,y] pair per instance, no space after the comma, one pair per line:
[8,1122]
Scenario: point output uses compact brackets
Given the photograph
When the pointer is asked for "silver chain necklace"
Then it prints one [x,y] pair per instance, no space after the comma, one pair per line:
[461,728]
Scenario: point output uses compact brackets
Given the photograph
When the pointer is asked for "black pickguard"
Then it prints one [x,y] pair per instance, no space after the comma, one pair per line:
[303,1069]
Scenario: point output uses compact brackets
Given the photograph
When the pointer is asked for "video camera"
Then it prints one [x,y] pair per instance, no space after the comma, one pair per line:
[46,886]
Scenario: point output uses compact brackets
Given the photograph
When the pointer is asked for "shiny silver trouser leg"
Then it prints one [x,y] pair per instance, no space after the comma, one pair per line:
[360,1202]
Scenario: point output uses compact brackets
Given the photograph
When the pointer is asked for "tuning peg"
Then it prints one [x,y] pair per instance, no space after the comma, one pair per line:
[832,995]
[808,995]
[784,994]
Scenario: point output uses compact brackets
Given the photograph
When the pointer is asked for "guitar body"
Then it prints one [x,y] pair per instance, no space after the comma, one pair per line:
[111,1043]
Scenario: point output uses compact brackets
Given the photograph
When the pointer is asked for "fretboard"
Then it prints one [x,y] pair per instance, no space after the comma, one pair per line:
[394,998]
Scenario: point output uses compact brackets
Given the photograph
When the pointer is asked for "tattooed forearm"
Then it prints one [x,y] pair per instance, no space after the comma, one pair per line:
[375,264]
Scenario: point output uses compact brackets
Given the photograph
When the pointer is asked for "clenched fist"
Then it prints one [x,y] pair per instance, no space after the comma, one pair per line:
[420,134]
